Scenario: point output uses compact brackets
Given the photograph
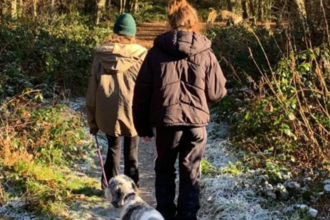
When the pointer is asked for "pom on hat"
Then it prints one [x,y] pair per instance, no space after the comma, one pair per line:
[125,25]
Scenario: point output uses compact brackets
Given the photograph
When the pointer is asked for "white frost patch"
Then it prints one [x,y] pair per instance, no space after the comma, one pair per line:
[218,153]
[14,209]
[77,104]
[227,197]
[223,197]
[93,210]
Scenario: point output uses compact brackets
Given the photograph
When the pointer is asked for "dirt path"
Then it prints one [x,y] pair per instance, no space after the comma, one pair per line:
[100,208]
[147,155]
[147,32]
[96,207]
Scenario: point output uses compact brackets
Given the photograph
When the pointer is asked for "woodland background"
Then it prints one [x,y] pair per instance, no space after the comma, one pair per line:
[277,63]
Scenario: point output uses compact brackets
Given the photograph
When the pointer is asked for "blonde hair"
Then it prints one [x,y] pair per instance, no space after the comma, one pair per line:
[120,39]
[181,15]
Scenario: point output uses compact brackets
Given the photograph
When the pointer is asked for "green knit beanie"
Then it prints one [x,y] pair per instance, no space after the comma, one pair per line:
[125,25]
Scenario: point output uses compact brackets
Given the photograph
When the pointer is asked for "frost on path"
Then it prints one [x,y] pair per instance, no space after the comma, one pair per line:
[100,208]
[223,197]
[229,197]
[97,207]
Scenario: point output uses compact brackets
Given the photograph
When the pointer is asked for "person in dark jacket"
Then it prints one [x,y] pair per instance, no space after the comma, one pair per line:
[110,94]
[178,78]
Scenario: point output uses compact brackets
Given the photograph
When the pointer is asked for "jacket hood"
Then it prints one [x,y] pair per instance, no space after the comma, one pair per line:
[182,43]
[116,58]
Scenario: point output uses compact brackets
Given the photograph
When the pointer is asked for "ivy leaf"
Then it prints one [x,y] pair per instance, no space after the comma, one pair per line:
[287,132]
[247,115]
[278,121]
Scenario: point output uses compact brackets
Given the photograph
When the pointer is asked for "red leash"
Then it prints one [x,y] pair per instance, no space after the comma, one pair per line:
[105,181]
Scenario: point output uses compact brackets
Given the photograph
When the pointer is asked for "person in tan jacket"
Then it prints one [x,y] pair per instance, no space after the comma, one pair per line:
[110,93]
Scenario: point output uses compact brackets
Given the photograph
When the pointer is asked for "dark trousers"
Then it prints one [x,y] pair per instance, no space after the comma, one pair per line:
[112,163]
[188,144]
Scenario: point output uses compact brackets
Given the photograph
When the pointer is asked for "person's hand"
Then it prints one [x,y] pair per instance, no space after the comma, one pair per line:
[146,139]
[94,131]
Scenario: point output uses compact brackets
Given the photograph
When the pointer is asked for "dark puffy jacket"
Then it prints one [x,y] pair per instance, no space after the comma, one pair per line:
[177,79]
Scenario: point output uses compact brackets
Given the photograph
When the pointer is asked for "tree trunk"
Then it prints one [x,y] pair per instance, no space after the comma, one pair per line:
[108,5]
[299,19]
[20,8]
[301,9]
[122,6]
[13,8]
[229,5]
[100,10]
[133,5]
[268,5]
[90,6]
[3,8]
[252,8]
[136,6]
[244,8]
[52,8]
[279,11]
[34,9]
[260,11]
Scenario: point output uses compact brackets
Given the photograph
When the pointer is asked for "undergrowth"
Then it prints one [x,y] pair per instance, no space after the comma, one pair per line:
[282,113]
[289,120]
[54,56]
[231,45]
[278,106]
[39,143]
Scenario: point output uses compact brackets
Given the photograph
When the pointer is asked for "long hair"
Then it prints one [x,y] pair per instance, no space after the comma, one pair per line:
[181,15]
[120,39]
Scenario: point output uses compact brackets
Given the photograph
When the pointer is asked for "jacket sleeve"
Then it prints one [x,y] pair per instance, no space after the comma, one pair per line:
[142,99]
[215,81]
[91,96]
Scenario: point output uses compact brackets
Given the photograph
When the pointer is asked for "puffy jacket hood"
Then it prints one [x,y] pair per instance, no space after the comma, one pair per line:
[116,58]
[182,44]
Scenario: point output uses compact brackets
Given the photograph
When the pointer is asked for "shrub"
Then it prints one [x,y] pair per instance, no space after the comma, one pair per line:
[39,142]
[289,122]
[53,57]
[232,45]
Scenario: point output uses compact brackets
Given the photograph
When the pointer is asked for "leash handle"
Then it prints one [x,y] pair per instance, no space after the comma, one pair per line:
[105,181]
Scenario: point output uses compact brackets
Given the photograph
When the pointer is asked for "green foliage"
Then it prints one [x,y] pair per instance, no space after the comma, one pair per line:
[46,130]
[150,13]
[38,145]
[50,56]
[291,122]
[227,105]
[207,168]
[233,169]
[275,172]
[232,45]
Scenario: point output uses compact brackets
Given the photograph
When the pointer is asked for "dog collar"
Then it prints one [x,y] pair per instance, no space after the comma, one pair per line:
[129,196]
